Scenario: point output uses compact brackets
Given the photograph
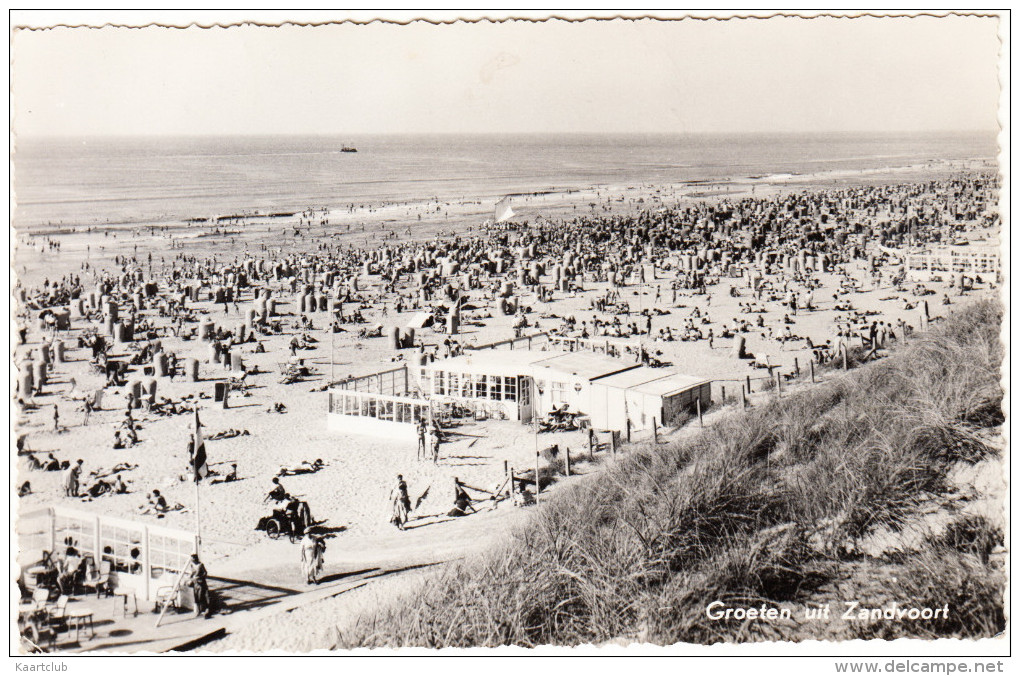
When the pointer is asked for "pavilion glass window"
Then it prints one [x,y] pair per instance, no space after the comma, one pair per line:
[122,547]
[510,388]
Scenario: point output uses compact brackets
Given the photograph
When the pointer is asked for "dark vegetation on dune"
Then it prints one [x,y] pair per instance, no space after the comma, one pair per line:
[772,505]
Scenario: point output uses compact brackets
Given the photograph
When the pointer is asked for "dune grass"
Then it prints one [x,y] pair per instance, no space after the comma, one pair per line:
[766,506]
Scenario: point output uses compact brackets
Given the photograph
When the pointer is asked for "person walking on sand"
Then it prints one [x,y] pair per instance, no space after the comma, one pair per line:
[435,441]
[56,418]
[312,549]
[70,479]
[88,406]
[401,503]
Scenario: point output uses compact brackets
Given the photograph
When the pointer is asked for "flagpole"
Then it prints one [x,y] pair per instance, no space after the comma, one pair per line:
[195,477]
[198,516]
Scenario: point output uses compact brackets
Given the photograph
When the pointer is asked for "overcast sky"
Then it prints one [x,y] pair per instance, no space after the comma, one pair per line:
[782,74]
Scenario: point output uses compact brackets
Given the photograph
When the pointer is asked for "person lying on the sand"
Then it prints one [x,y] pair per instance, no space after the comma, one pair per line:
[229,434]
[304,467]
[228,477]
[119,467]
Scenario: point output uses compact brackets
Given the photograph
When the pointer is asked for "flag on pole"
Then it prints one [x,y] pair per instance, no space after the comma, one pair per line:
[198,459]
[503,210]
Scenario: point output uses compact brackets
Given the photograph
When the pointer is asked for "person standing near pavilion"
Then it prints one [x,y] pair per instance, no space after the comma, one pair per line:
[422,432]
[198,580]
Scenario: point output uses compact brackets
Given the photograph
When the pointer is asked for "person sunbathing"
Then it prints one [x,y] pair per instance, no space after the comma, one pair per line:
[228,477]
[304,467]
[157,504]
[230,434]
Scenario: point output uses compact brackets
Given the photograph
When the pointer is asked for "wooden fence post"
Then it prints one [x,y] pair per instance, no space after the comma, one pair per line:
[628,430]
[701,420]
[743,396]
[796,367]
[812,363]
[779,383]
[655,431]
[612,441]
[723,387]
[591,444]
[748,384]
[566,460]
[845,367]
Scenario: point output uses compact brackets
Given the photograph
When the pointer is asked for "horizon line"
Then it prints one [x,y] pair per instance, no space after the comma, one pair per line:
[58,135]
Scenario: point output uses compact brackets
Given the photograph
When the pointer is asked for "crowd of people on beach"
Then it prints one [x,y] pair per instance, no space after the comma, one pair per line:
[769,252]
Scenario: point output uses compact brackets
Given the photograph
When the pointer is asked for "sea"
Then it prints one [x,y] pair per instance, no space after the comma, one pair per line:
[137,180]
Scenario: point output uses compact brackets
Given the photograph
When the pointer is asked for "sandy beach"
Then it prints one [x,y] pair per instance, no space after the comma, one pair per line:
[349,494]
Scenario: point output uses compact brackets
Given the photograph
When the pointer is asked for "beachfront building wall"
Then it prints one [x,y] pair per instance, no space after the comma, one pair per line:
[567,379]
[952,260]
[645,396]
[143,558]
[492,383]
[520,384]
[375,414]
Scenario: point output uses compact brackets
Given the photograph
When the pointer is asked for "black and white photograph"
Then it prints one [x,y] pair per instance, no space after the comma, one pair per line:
[546,333]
